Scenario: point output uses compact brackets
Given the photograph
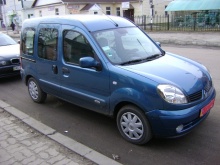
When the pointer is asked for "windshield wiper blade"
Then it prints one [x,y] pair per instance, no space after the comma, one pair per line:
[131,61]
[155,56]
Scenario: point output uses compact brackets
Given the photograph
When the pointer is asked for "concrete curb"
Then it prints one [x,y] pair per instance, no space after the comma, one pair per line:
[179,42]
[69,143]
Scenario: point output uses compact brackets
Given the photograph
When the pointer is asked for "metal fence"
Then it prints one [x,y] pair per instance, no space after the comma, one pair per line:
[178,23]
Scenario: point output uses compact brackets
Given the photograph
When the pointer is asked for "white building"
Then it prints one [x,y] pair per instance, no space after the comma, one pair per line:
[19,10]
[16,11]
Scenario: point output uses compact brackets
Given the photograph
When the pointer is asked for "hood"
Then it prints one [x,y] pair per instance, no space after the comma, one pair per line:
[9,51]
[169,69]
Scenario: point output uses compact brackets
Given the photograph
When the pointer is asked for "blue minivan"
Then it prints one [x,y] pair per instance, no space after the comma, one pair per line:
[109,65]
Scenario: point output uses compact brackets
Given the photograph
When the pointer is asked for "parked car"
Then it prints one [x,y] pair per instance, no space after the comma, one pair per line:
[9,56]
[109,65]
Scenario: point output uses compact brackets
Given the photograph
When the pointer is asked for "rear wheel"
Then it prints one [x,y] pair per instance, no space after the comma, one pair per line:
[35,91]
[133,125]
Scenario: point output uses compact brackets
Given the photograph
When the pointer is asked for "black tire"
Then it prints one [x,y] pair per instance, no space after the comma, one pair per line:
[133,125]
[35,92]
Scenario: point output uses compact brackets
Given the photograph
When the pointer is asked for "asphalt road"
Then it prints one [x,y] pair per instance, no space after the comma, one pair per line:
[202,146]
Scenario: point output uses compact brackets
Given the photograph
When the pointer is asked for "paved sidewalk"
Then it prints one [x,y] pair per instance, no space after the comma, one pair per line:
[20,144]
[11,33]
[26,141]
[211,39]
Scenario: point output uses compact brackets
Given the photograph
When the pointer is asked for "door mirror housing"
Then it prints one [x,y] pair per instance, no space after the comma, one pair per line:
[89,62]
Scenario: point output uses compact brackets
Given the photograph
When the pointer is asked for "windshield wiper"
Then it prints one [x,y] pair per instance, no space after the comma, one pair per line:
[131,61]
[155,56]
[150,58]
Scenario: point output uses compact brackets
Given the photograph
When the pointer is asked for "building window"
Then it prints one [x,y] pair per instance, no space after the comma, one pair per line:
[118,11]
[56,11]
[95,12]
[108,10]
[30,16]
[40,13]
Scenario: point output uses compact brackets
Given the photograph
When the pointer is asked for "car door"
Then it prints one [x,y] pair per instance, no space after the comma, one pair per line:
[86,87]
[47,58]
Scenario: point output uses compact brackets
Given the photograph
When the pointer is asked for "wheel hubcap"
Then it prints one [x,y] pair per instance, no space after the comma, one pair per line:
[33,90]
[132,126]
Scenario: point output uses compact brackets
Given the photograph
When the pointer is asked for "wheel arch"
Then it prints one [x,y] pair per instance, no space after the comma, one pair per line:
[125,103]
[27,78]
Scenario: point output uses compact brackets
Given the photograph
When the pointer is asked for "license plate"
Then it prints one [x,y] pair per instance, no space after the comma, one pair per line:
[16,68]
[205,109]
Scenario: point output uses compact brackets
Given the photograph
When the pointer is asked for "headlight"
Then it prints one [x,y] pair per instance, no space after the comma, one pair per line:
[171,94]
[3,63]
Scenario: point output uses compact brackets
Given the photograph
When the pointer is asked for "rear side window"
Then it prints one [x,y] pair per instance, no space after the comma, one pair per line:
[47,43]
[28,41]
[75,46]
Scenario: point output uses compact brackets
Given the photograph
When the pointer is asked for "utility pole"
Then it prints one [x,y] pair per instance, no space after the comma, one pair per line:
[3,6]
[151,14]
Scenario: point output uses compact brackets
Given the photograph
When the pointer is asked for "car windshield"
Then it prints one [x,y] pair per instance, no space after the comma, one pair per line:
[6,40]
[127,45]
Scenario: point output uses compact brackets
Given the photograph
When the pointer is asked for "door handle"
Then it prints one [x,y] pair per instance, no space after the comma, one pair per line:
[65,70]
[54,69]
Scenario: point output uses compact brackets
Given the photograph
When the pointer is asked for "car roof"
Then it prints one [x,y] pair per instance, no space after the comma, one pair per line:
[90,22]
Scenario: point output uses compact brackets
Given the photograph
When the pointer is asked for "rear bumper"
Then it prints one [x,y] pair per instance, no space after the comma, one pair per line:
[165,122]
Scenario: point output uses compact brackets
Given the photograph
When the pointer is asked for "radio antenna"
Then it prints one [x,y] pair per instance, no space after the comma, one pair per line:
[110,19]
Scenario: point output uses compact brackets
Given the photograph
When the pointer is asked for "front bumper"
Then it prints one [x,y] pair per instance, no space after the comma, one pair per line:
[9,71]
[165,122]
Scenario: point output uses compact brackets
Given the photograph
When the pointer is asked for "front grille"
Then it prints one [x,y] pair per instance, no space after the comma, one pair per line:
[15,61]
[6,70]
[195,96]
[198,95]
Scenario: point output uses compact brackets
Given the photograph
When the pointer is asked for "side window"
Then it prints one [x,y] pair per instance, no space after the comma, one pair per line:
[47,43]
[75,46]
[28,41]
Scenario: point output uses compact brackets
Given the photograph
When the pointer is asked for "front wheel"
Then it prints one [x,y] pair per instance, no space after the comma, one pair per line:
[35,91]
[133,125]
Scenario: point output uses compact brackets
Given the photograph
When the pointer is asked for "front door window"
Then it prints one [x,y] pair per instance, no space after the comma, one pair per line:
[76,46]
